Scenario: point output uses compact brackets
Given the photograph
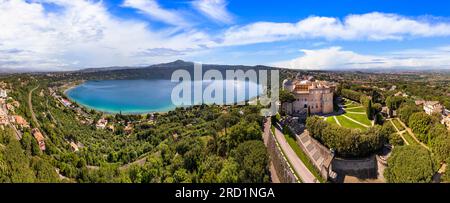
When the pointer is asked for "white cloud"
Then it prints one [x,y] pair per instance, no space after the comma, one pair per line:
[372,26]
[214,9]
[82,34]
[154,10]
[335,58]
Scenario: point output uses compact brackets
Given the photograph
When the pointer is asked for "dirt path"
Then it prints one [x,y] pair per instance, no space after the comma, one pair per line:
[413,135]
[437,175]
[398,132]
[337,121]
[361,113]
[355,121]
[357,107]
[140,162]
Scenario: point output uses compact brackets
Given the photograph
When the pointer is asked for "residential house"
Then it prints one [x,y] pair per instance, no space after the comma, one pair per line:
[101,124]
[446,121]
[431,107]
[400,94]
[128,129]
[3,94]
[74,146]
[21,121]
[3,119]
[39,138]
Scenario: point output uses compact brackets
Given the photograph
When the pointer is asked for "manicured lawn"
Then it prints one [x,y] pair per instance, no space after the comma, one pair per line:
[356,107]
[398,125]
[348,102]
[352,105]
[348,123]
[409,138]
[360,117]
[391,125]
[330,119]
[359,109]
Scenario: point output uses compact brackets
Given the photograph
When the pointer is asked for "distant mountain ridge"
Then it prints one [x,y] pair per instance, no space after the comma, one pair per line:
[161,70]
[157,71]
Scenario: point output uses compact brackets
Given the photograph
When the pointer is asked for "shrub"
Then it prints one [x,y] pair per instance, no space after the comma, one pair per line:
[420,123]
[352,95]
[406,110]
[441,147]
[347,142]
[409,164]
[396,140]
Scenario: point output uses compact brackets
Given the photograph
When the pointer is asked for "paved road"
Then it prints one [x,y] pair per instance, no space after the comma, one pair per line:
[305,175]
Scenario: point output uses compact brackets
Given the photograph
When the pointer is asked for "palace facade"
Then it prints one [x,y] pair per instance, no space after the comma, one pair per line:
[309,93]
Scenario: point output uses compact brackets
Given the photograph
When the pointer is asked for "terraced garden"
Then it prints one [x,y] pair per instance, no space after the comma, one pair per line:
[330,119]
[354,116]
[359,109]
[362,118]
[408,137]
[345,122]
[398,125]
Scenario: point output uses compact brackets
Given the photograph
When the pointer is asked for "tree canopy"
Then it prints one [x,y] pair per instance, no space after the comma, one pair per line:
[409,164]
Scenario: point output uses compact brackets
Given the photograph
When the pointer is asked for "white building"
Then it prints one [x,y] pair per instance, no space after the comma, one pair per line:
[309,93]
[446,121]
[431,107]
[101,124]
[3,93]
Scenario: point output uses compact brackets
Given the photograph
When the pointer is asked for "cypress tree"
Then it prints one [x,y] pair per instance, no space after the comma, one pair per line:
[369,110]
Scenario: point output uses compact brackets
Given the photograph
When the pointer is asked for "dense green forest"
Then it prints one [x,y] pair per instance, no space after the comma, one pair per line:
[213,143]
[196,144]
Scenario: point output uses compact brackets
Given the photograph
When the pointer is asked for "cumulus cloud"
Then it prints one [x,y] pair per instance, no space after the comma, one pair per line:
[335,58]
[214,9]
[82,34]
[372,26]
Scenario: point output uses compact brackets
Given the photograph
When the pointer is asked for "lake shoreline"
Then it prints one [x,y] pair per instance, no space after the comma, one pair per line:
[134,97]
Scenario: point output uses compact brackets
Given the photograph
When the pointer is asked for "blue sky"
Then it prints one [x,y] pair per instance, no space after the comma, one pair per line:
[306,34]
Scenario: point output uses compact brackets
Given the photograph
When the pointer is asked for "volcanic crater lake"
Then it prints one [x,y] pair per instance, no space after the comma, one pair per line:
[145,96]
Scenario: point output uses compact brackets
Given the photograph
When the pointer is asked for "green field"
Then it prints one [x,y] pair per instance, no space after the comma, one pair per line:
[360,117]
[330,119]
[398,125]
[359,109]
[409,138]
[348,123]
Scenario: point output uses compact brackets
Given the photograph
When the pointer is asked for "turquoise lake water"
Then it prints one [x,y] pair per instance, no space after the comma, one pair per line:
[142,96]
